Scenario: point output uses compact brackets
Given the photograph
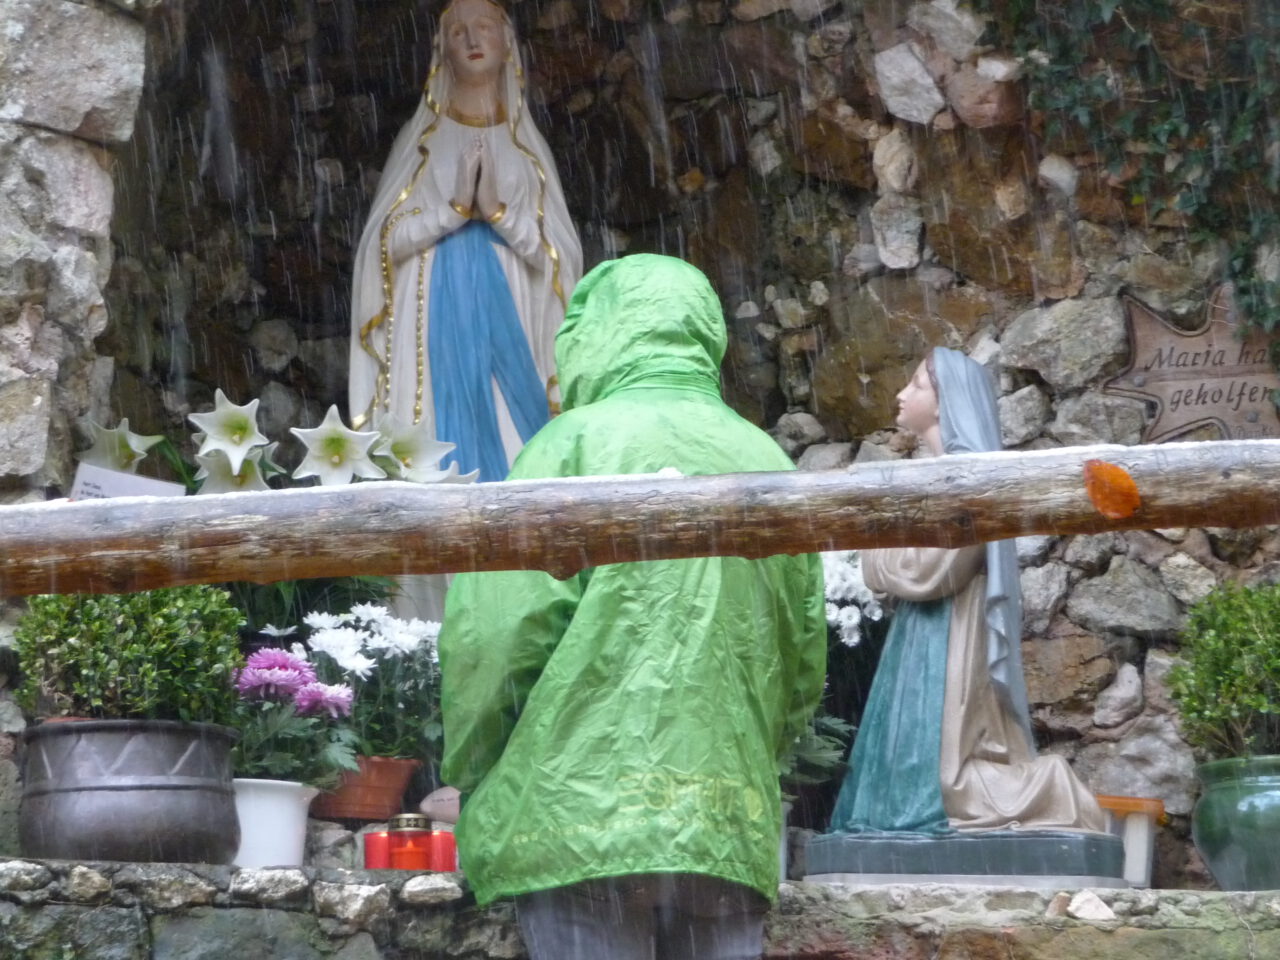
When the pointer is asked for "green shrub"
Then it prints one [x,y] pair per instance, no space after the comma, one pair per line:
[1228,688]
[818,754]
[160,654]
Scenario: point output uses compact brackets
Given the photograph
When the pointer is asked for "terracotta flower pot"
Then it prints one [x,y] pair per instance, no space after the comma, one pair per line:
[375,792]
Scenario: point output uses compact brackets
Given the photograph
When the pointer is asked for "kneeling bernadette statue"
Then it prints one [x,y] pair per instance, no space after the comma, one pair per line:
[467,257]
[945,741]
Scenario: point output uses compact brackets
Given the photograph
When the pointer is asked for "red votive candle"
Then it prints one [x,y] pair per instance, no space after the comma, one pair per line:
[444,852]
[377,850]
[410,842]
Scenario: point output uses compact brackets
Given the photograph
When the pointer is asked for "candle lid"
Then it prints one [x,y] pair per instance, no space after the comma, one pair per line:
[408,821]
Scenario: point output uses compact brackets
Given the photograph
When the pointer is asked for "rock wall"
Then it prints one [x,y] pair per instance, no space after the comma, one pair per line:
[60,129]
[50,910]
[861,180]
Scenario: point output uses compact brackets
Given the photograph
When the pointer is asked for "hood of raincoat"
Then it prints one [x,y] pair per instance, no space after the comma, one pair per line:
[642,320]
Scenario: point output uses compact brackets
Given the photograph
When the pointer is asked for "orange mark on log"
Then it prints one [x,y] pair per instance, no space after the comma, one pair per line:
[1111,489]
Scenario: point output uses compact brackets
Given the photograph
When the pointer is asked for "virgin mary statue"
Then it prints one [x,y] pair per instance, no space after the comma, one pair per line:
[467,257]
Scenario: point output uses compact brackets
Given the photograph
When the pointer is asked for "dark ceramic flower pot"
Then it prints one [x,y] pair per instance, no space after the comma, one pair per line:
[141,790]
[1236,822]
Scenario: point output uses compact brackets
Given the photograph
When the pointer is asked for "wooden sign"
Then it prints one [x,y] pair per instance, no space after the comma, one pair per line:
[1210,376]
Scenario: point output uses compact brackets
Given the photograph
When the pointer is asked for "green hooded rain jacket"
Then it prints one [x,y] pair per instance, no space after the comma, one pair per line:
[630,719]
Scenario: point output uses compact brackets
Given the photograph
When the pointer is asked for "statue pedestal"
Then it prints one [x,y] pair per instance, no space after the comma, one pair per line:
[1024,858]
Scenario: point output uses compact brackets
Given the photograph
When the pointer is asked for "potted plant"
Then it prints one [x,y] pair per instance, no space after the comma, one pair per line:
[146,773]
[294,740]
[391,665]
[1228,693]
[815,758]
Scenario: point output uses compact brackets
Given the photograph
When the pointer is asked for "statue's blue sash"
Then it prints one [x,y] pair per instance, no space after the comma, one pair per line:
[475,338]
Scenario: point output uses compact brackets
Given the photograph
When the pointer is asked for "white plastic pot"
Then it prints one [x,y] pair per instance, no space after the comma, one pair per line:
[273,822]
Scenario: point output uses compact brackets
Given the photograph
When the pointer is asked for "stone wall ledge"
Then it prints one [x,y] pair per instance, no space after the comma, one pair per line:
[134,911]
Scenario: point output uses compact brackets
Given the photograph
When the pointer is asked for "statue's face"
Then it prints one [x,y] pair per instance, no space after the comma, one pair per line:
[918,403]
[474,41]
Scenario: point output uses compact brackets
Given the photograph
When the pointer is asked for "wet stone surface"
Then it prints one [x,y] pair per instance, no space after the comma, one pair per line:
[392,915]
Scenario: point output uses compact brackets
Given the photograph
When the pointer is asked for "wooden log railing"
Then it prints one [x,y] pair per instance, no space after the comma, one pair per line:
[562,526]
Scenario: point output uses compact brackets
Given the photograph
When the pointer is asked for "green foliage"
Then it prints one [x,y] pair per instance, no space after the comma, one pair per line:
[160,654]
[286,602]
[178,464]
[278,743]
[1228,688]
[1177,101]
[818,754]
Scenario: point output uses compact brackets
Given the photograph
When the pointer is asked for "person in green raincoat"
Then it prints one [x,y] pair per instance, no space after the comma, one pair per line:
[615,735]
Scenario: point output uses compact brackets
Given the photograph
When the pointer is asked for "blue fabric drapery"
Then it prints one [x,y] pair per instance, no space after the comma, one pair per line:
[893,783]
[475,338]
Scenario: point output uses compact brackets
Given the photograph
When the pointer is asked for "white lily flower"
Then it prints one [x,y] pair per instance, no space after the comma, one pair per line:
[118,449]
[266,460]
[409,451]
[453,476]
[230,428]
[216,475]
[335,452]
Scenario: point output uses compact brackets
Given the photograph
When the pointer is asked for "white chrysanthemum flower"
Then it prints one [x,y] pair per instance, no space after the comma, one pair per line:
[424,629]
[847,622]
[370,612]
[849,599]
[357,664]
[338,642]
[336,453]
[271,630]
[401,640]
[842,571]
[230,428]
[119,448]
[318,620]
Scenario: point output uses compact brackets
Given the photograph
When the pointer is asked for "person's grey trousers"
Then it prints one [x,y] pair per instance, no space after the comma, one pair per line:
[648,916]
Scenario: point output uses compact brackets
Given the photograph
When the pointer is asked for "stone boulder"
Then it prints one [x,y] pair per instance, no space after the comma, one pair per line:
[72,68]
[1066,668]
[1128,599]
[906,87]
[1149,760]
[1098,418]
[1044,589]
[1003,244]
[1069,343]
[876,334]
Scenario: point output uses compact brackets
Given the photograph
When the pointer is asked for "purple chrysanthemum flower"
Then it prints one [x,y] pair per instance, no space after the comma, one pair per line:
[274,674]
[275,658]
[331,698]
[265,683]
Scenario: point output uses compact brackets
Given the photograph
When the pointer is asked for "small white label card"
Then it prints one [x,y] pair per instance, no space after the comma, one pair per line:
[97,483]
